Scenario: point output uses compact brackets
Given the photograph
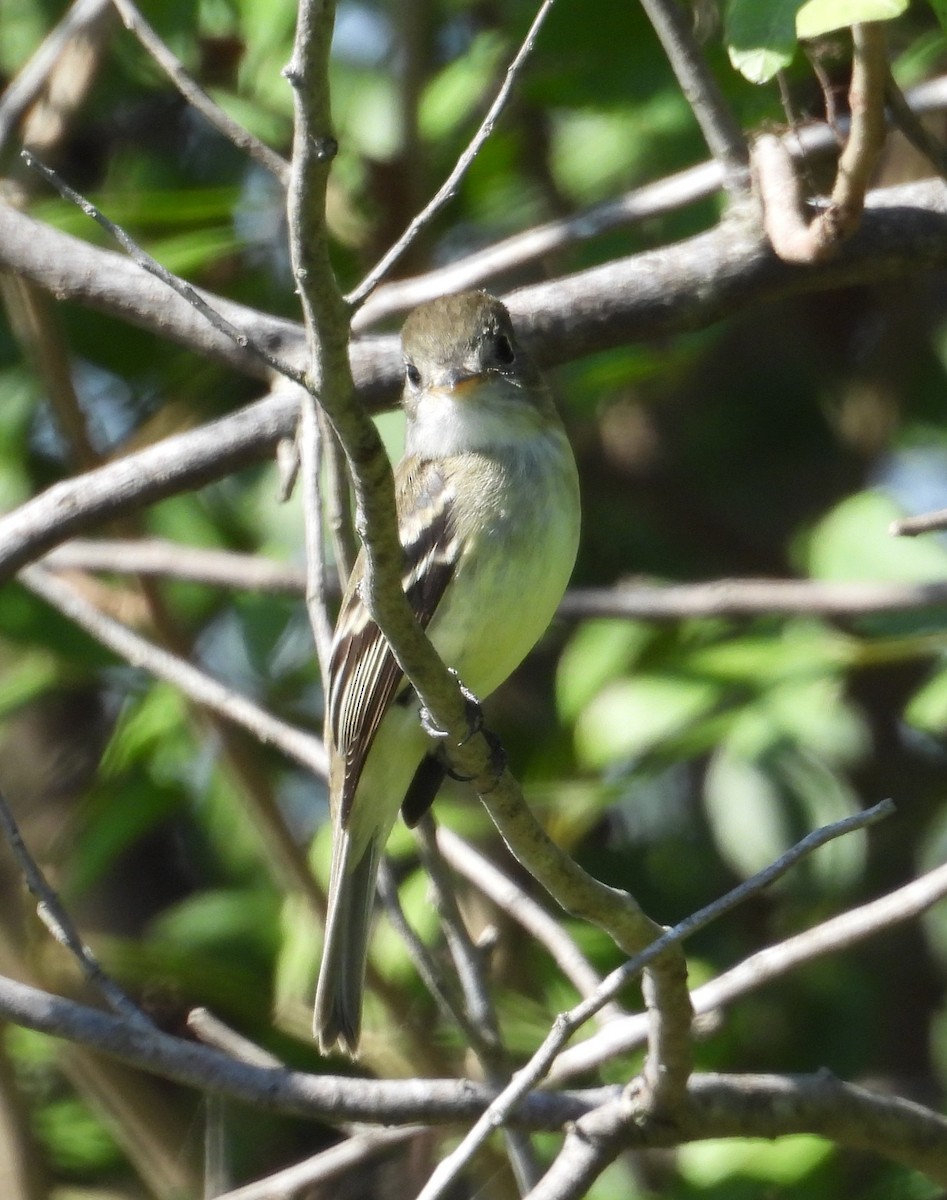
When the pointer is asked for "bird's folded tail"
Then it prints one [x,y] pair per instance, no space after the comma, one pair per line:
[338,1010]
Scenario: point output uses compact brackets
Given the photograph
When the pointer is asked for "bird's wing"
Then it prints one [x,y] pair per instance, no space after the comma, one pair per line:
[364,677]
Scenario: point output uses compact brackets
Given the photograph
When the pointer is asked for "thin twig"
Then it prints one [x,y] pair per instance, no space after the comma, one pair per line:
[645,601]
[180,286]
[213,1032]
[838,933]
[338,509]
[173,560]
[195,95]
[751,598]
[57,920]
[297,744]
[431,976]
[501,1109]
[904,118]
[469,966]
[721,129]
[355,1152]
[931,522]
[449,187]
[468,960]
[516,903]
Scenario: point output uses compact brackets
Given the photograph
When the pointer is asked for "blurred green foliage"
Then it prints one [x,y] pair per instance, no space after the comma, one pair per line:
[675,759]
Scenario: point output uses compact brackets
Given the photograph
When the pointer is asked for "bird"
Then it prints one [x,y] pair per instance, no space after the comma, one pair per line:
[487,499]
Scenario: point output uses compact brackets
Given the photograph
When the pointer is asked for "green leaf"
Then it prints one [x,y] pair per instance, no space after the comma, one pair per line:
[927,708]
[710,1164]
[853,542]
[596,653]
[761,38]
[632,716]
[458,90]
[745,813]
[825,16]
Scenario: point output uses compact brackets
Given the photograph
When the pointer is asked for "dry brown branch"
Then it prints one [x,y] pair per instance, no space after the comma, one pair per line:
[793,236]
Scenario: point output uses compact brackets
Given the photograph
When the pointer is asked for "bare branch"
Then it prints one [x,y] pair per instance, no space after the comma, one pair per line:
[745,1106]
[469,964]
[838,933]
[356,1151]
[756,1106]
[923,523]
[330,1098]
[793,236]
[311,446]
[450,1007]
[452,182]
[182,462]
[685,286]
[508,896]
[174,560]
[213,1032]
[184,289]
[720,128]
[301,746]
[639,601]
[54,916]
[751,598]
[905,118]
[501,1109]
[650,200]
[195,95]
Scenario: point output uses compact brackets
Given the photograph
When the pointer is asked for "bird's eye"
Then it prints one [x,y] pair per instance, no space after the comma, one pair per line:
[504,350]
[412,374]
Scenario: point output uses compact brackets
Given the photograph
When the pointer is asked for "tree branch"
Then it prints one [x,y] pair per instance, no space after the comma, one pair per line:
[54,916]
[197,97]
[720,128]
[449,187]
[689,285]
[566,1024]
[847,929]
[793,236]
[762,1106]
[326,1097]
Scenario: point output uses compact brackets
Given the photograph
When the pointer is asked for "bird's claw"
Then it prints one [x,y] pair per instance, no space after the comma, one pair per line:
[475,725]
[474,715]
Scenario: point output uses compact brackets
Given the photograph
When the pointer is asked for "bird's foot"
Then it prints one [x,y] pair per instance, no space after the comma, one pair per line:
[475,725]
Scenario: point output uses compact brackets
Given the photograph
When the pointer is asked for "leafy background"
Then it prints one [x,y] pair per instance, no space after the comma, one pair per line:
[674,759]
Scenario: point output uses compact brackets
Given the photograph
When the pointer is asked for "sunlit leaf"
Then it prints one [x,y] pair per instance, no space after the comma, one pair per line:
[824,16]
[745,813]
[631,716]
[784,1162]
[761,38]
[853,542]
[597,652]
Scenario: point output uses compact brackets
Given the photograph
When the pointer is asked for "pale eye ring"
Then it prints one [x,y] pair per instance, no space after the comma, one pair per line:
[412,374]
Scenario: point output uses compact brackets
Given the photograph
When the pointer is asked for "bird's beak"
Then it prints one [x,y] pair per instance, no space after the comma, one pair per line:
[460,382]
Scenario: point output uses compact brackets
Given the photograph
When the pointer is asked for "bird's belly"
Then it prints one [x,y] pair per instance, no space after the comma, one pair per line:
[503,596]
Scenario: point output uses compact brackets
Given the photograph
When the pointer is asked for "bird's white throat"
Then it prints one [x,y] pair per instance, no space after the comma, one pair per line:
[446,423]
